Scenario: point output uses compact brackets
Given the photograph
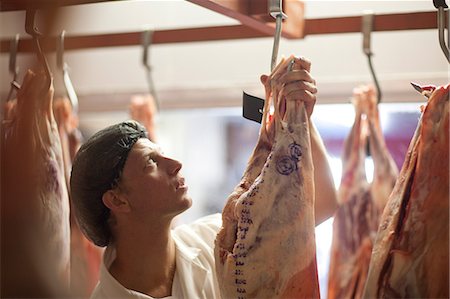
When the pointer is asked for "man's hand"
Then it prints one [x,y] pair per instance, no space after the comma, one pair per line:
[296,84]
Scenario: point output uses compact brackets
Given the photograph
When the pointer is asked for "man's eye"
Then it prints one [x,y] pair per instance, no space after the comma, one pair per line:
[151,161]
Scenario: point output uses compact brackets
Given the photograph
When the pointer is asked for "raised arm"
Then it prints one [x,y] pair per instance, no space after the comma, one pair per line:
[325,191]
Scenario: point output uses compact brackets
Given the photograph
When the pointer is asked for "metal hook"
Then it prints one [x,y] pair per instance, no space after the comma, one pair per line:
[252,107]
[13,69]
[367,24]
[62,65]
[276,11]
[32,30]
[441,6]
[146,42]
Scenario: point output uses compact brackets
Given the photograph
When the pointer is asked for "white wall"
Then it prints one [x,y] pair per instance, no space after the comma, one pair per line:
[204,69]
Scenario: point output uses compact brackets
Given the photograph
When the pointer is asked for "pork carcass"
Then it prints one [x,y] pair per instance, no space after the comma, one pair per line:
[360,203]
[85,257]
[35,250]
[410,257]
[266,246]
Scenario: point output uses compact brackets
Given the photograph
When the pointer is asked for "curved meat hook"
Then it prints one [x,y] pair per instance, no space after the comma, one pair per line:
[441,6]
[31,29]
[367,24]
[13,69]
[147,36]
[62,66]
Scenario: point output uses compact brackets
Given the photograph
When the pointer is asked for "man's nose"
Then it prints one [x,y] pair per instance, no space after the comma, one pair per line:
[174,166]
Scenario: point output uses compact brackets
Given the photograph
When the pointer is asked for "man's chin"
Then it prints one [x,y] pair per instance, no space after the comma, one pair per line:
[188,201]
[185,203]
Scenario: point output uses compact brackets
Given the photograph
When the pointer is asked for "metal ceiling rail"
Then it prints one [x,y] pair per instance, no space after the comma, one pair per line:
[251,13]
[382,22]
[78,42]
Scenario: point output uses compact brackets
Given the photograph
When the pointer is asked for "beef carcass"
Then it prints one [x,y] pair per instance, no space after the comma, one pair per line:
[266,246]
[360,203]
[85,257]
[410,258]
[35,237]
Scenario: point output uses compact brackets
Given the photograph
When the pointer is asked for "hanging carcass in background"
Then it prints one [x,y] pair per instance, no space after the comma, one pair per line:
[35,248]
[85,257]
[143,109]
[411,255]
[68,132]
[360,203]
[266,247]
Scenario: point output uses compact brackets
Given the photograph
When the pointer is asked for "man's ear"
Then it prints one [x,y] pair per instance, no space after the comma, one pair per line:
[115,202]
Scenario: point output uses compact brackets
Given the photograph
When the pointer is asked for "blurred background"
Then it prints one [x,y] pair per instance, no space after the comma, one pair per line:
[200,84]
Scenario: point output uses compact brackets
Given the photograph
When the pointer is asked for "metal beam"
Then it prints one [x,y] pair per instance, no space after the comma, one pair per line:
[388,22]
[134,38]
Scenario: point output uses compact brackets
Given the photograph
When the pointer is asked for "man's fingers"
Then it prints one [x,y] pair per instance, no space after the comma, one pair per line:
[298,85]
[305,96]
[302,63]
[296,75]
[301,95]
[264,79]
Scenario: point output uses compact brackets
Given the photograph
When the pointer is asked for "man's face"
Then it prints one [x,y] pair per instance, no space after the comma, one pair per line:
[152,183]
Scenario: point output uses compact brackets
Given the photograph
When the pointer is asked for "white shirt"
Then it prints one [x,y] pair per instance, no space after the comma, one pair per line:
[195,275]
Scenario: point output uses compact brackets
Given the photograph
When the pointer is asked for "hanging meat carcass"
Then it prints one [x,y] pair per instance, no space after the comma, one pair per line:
[143,110]
[411,255]
[266,246]
[35,237]
[360,203]
[85,257]
[68,133]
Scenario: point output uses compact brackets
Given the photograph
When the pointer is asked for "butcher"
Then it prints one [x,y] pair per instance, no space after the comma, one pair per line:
[126,193]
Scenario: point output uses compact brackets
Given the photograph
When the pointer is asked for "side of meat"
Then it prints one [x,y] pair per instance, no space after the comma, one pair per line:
[356,220]
[349,246]
[385,169]
[35,250]
[272,223]
[226,238]
[353,169]
[85,257]
[410,257]
[143,110]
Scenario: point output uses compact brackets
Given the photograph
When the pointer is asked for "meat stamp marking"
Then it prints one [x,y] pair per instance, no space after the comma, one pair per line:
[285,165]
[241,252]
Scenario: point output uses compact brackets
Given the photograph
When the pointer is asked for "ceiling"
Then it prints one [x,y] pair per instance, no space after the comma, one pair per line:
[213,74]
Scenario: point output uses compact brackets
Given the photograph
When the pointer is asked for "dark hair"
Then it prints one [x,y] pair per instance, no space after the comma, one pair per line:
[96,169]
